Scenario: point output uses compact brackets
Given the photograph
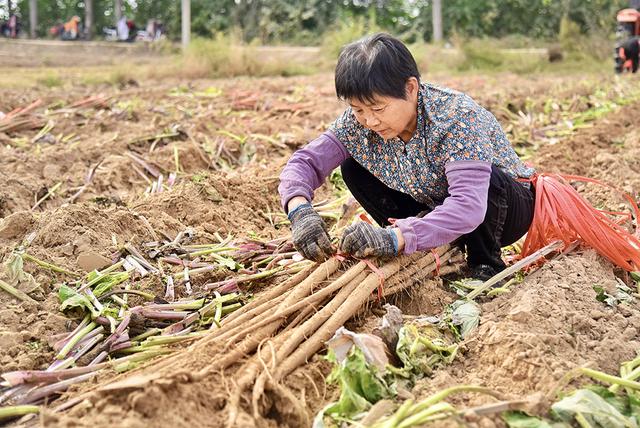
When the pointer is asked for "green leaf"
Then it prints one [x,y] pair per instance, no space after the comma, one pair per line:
[361,385]
[593,408]
[108,282]
[465,316]
[70,298]
[522,420]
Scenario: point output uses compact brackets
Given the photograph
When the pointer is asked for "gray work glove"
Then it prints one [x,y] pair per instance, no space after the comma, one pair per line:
[364,240]
[309,233]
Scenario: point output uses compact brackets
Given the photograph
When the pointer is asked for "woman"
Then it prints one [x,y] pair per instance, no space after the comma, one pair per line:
[428,164]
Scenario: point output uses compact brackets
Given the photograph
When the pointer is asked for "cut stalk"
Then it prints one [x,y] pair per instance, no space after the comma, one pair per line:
[632,375]
[555,245]
[39,376]
[148,333]
[49,266]
[179,305]
[45,391]
[15,411]
[15,292]
[207,251]
[59,344]
[146,296]
[423,416]
[261,275]
[614,380]
[101,275]
[74,340]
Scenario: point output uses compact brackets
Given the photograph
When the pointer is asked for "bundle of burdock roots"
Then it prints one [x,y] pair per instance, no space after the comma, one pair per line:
[258,345]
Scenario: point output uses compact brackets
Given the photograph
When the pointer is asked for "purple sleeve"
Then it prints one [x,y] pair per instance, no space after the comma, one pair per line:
[307,169]
[462,211]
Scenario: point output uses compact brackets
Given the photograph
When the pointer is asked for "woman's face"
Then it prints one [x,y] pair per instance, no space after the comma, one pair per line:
[388,116]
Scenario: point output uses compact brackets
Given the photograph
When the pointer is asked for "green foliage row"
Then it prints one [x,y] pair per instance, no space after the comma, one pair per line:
[303,21]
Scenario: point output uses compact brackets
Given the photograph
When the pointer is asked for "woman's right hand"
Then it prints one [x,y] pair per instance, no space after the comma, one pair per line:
[309,233]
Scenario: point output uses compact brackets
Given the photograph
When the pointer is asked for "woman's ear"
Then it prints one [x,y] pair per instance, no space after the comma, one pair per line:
[411,87]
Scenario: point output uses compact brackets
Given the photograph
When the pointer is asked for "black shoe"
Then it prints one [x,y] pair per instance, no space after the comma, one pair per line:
[483,272]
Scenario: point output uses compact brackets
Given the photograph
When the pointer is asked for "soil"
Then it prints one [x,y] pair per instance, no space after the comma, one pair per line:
[527,340]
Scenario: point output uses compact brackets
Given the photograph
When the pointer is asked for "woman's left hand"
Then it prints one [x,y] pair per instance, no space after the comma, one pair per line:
[364,240]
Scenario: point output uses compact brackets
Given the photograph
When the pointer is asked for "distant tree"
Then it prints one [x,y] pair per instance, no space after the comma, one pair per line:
[305,21]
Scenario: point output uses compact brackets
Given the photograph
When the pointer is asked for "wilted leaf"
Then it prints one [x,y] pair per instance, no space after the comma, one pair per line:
[372,347]
[390,326]
[465,316]
[16,275]
[593,408]
[227,262]
[422,347]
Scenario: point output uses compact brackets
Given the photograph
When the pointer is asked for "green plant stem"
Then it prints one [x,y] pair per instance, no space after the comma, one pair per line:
[15,292]
[74,340]
[441,395]
[176,159]
[400,413]
[146,296]
[218,313]
[230,308]
[49,266]
[582,421]
[167,340]
[148,333]
[131,361]
[614,380]
[15,411]
[206,251]
[101,275]
[419,418]
[504,289]
[632,375]
[49,194]
[555,245]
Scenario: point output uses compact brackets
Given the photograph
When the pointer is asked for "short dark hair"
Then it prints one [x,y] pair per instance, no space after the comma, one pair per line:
[374,65]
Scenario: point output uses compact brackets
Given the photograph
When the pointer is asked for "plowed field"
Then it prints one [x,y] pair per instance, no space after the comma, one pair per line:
[95,167]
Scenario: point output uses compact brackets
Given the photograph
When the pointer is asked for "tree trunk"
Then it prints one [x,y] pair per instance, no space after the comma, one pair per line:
[88,18]
[437,21]
[117,11]
[186,23]
[33,18]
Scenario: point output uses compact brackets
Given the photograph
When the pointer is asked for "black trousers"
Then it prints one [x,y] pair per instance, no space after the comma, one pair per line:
[509,214]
